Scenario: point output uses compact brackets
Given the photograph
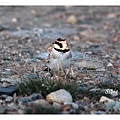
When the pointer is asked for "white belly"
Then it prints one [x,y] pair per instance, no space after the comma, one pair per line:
[61,61]
[57,64]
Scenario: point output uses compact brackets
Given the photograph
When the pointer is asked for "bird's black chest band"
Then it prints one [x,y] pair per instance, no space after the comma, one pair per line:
[59,50]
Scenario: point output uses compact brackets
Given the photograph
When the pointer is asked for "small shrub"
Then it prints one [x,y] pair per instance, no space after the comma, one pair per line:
[45,86]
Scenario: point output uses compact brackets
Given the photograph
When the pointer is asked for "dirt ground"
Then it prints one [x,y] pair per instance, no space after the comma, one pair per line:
[26,32]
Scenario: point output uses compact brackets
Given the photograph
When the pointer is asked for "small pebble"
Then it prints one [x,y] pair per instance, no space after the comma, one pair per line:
[24,100]
[76,38]
[14,20]
[9,99]
[110,66]
[57,105]
[72,19]
[36,96]
[75,106]
[4,96]
[33,11]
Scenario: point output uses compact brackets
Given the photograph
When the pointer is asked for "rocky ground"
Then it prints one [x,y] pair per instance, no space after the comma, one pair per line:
[94,37]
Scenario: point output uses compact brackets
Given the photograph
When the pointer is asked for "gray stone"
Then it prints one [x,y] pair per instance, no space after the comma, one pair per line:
[41,102]
[60,96]
[57,105]
[4,96]
[9,99]
[36,96]
[10,90]
[33,97]
[24,100]
[75,106]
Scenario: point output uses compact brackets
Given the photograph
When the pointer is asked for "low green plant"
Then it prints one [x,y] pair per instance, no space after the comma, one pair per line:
[45,86]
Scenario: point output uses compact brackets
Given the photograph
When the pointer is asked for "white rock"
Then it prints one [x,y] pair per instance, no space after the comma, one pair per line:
[105,99]
[60,96]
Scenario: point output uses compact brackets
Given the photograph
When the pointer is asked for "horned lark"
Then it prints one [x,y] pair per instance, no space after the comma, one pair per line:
[59,57]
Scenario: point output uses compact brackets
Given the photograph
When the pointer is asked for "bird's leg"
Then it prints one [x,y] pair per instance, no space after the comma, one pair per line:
[67,72]
[62,70]
[72,72]
[58,69]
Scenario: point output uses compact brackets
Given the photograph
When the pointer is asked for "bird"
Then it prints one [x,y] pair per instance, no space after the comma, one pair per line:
[60,56]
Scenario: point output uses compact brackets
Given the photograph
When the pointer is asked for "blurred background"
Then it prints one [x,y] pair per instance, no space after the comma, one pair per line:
[104,18]
[78,22]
